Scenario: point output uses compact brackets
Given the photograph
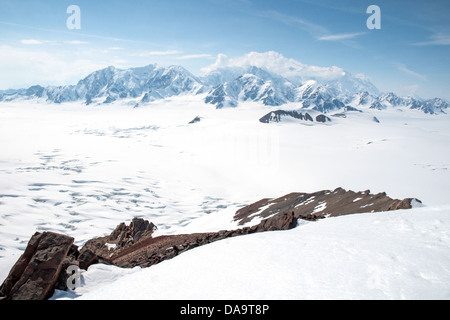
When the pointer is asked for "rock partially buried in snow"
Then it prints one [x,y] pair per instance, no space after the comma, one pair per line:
[148,251]
[282,115]
[38,271]
[131,246]
[322,204]
[35,274]
[103,248]
[195,120]
[322,118]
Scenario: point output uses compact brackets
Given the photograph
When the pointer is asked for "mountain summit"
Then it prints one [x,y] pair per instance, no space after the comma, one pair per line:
[267,78]
[145,84]
[295,72]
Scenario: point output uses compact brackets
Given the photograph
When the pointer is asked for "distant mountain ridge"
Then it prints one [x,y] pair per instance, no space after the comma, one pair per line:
[226,87]
[107,85]
[268,88]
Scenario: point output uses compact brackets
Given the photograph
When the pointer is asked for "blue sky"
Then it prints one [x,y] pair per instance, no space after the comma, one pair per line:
[410,54]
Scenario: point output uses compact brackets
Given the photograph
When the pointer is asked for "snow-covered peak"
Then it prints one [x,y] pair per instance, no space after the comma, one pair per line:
[249,83]
[276,63]
[292,70]
[350,84]
[308,88]
[268,78]
[110,84]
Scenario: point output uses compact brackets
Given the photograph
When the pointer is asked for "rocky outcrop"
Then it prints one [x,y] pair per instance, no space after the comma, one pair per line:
[71,259]
[103,248]
[322,204]
[277,116]
[322,118]
[144,250]
[195,120]
[151,251]
[42,267]
[36,273]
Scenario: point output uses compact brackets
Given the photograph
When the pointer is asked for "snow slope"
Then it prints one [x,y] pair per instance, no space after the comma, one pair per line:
[402,255]
[81,170]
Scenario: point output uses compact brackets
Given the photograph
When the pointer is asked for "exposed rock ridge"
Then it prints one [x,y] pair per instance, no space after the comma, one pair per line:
[42,267]
[35,275]
[321,204]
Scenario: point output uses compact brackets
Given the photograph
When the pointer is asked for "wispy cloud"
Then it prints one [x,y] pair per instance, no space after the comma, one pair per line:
[317,31]
[277,63]
[195,56]
[341,36]
[53,42]
[405,70]
[304,24]
[156,53]
[76,42]
[438,39]
[334,5]
[29,65]
[69,33]
[33,42]
[411,90]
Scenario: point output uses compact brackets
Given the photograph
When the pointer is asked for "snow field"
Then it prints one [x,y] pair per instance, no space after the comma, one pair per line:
[402,255]
[82,170]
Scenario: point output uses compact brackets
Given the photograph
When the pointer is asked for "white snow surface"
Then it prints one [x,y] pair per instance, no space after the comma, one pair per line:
[81,170]
[401,255]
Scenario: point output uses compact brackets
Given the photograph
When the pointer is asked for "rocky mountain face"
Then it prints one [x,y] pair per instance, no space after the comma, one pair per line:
[254,84]
[35,275]
[110,84]
[226,87]
[43,266]
[273,90]
[282,115]
[391,100]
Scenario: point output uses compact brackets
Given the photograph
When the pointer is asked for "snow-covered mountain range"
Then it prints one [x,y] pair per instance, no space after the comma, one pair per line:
[145,84]
[81,171]
[226,86]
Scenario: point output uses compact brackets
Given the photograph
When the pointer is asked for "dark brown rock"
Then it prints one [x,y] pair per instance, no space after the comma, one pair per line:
[87,258]
[36,272]
[403,204]
[280,214]
[284,221]
[322,204]
[70,260]
[151,251]
[103,248]
[124,236]
[19,267]
[41,268]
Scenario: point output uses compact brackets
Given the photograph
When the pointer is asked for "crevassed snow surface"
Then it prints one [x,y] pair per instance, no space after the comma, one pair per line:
[81,170]
[402,255]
